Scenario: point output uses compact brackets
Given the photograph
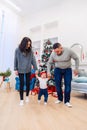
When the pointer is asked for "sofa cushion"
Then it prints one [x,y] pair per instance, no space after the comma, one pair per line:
[80,79]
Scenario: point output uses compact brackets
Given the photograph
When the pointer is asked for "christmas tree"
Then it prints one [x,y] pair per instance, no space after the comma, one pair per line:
[48,47]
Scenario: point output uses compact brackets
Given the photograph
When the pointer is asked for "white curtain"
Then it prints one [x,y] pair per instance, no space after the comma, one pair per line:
[2,15]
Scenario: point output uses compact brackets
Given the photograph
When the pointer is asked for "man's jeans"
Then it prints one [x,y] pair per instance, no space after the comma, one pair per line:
[67,75]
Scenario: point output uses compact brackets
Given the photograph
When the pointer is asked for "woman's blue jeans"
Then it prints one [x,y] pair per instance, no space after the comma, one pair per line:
[67,75]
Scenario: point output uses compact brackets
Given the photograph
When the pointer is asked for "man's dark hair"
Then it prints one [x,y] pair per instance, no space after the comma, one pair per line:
[56,45]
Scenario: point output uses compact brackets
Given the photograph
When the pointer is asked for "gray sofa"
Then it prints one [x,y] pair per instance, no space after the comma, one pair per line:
[79,87]
[79,84]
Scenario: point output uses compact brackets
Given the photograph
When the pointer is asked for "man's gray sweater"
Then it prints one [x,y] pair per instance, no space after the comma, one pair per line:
[63,61]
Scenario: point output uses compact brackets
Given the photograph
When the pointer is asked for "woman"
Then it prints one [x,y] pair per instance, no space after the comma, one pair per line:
[24,59]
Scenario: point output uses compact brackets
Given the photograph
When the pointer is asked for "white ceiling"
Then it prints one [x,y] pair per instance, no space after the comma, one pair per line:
[29,7]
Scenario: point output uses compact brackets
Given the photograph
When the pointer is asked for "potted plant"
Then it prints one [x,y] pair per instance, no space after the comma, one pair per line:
[5,74]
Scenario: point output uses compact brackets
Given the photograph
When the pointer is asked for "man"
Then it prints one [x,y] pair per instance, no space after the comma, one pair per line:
[61,57]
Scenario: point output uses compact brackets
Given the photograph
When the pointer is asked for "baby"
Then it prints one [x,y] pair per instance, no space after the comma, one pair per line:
[43,87]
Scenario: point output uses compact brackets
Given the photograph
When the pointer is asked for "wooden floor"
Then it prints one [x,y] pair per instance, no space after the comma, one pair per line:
[34,116]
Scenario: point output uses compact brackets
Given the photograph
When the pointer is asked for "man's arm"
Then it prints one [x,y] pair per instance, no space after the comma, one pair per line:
[50,61]
[75,57]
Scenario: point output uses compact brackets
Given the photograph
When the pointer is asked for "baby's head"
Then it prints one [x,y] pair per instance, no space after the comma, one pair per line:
[43,74]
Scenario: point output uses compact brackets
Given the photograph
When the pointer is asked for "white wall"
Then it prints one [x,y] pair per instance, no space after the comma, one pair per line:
[9,39]
[10,36]
[72,21]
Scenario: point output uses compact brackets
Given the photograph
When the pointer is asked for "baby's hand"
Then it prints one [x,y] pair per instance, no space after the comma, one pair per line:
[36,72]
[16,72]
[48,75]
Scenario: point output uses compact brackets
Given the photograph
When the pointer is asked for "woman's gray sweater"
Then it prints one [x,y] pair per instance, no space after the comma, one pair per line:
[23,62]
